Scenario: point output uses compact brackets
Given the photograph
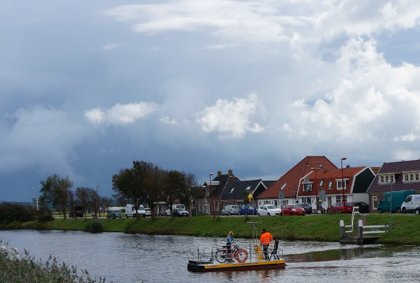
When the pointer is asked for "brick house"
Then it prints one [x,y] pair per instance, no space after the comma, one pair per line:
[322,188]
[394,176]
[285,189]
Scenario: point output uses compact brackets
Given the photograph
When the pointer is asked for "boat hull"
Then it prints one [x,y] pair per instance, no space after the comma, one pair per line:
[196,266]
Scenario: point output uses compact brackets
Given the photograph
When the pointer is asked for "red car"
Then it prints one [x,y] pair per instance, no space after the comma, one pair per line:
[292,209]
[340,208]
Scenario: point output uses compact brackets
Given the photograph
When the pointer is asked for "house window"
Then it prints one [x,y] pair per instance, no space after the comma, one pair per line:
[374,202]
[330,183]
[321,183]
[306,200]
[386,179]
[411,177]
[341,184]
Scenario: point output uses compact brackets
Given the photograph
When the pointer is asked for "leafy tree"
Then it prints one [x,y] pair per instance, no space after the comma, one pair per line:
[147,183]
[141,183]
[56,190]
[126,188]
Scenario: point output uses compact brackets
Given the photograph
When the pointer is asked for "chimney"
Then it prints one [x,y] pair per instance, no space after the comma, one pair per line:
[230,172]
[219,173]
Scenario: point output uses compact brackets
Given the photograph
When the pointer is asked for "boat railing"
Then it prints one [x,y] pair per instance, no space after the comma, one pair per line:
[255,253]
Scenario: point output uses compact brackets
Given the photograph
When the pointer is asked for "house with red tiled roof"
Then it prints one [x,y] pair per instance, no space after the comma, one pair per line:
[285,189]
[322,188]
[394,176]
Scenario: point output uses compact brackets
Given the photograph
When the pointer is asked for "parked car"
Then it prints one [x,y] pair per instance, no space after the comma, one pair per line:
[114,212]
[307,207]
[268,210]
[147,211]
[363,206]
[177,210]
[292,209]
[141,211]
[230,209]
[340,208]
[247,210]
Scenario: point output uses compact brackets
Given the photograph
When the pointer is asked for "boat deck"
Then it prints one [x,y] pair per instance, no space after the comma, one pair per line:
[200,266]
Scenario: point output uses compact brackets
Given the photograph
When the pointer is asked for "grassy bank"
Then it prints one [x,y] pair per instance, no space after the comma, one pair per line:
[404,228]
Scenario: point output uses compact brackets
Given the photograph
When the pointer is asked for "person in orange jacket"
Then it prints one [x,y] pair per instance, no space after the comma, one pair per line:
[265,240]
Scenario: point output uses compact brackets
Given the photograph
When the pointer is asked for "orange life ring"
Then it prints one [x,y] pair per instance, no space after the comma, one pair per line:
[241,255]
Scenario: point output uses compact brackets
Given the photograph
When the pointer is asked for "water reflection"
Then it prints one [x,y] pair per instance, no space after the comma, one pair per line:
[142,258]
[347,253]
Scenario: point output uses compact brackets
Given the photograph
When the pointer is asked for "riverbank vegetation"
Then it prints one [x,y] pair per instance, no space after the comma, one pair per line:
[17,267]
[403,227]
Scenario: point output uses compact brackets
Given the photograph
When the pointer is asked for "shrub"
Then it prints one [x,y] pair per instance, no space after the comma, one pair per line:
[17,267]
[10,212]
[44,215]
[94,227]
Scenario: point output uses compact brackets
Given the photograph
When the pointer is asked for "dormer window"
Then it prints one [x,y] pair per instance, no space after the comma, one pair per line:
[386,179]
[411,177]
[330,184]
[307,185]
[341,184]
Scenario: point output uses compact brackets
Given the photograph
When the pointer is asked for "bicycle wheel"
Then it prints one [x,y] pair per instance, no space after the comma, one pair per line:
[221,256]
[240,255]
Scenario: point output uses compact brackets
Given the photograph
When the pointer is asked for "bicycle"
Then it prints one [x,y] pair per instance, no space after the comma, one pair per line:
[237,253]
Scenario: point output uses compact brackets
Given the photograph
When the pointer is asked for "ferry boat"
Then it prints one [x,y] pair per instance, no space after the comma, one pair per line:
[206,266]
[239,259]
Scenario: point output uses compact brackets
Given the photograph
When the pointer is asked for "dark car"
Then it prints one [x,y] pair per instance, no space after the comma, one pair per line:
[363,206]
[307,207]
[247,210]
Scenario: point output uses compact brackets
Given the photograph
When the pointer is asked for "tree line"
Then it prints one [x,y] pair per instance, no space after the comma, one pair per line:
[144,183]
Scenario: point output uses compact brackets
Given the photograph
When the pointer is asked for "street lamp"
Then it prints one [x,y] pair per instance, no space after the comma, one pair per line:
[205,196]
[342,182]
[316,191]
[97,202]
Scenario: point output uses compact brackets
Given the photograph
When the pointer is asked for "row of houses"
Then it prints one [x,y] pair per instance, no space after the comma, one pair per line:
[314,180]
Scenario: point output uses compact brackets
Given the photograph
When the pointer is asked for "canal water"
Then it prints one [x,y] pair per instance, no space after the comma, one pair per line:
[122,257]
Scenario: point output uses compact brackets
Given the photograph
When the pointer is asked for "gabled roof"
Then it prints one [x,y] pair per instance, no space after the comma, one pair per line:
[396,168]
[240,190]
[290,181]
[336,173]
[269,183]
[224,181]
[400,166]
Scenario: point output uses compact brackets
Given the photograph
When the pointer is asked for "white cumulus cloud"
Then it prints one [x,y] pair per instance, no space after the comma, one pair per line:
[120,114]
[231,118]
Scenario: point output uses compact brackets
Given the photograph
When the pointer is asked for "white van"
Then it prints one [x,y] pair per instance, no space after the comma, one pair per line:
[129,210]
[411,204]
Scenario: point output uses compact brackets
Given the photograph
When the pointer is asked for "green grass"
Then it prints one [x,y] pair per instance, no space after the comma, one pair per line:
[404,228]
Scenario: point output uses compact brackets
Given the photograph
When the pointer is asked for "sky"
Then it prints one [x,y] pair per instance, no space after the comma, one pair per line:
[88,87]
